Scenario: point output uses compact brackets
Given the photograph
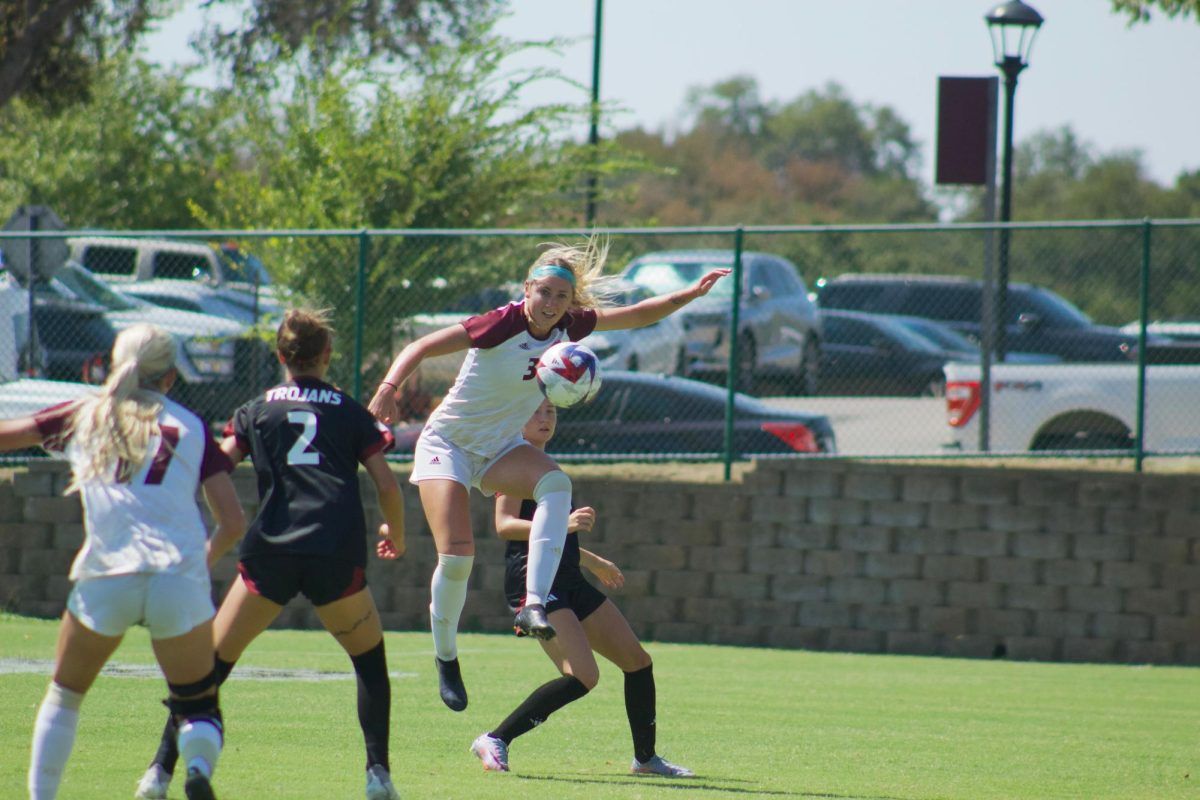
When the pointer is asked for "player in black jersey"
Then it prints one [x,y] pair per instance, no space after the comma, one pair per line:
[306,439]
[585,620]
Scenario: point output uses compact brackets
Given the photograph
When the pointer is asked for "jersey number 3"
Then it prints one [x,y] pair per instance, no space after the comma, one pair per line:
[301,453]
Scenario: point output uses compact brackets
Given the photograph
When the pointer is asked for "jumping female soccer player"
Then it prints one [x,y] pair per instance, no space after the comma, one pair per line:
[586,621]
[306,439]
[473,438]
[137,458]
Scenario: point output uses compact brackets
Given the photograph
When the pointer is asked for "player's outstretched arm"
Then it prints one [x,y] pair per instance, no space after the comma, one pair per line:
[653,309]
[441,342]
[226,509]
[19,433]
[391,504]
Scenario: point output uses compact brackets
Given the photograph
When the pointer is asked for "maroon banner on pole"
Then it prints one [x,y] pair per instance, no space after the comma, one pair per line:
[966,130]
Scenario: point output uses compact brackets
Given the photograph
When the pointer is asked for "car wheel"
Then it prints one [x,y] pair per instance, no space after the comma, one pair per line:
[810,368]
[746,365]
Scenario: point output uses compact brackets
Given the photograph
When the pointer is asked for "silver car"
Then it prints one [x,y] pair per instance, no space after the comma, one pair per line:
[779,328]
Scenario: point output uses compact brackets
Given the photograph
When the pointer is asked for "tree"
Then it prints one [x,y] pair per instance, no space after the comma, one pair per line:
[1139,10]
[51,50]
[133,155]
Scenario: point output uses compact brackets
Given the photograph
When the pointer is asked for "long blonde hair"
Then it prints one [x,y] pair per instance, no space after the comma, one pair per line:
[114,427]
[586,263]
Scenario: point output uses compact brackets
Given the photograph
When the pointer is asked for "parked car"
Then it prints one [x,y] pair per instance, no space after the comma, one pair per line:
[1037,319]
[71,341]
[779,329]
[238,306]
[221,363]
[185,271]
[961,348]
[872,354]
[660,347]
[666,417]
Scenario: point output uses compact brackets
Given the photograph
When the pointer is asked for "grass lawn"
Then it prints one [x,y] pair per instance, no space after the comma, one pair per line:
[751,722]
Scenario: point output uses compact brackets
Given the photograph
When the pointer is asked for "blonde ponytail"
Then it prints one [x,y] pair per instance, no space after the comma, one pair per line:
[586,263]
[115,426]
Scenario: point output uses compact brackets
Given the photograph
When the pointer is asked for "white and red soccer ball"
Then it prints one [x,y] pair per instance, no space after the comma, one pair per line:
[568,374]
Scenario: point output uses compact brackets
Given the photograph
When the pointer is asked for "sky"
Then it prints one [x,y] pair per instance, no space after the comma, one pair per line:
[1118,87]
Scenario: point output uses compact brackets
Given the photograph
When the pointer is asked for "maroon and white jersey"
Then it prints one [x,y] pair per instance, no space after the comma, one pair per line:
[152,522]
[496,392]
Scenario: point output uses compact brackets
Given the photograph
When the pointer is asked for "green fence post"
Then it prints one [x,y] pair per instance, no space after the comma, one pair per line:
[364,246]
[731,374]
[1143,311]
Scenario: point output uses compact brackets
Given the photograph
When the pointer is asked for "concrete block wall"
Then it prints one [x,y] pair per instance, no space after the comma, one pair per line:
[828,555]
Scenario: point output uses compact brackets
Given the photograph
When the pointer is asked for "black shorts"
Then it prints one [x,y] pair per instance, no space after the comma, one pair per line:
[573,593]
[279,578]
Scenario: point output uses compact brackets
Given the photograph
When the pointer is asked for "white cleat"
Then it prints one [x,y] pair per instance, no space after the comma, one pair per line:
[492,752]
[658,765]
[154,784]
[379,784]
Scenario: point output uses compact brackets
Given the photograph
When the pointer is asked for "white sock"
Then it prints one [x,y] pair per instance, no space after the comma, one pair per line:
[200,745]
[546,539]
[449,592]
[53,738]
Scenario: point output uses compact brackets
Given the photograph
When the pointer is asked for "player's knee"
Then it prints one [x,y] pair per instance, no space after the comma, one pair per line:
[553,481]
[196,700]
[638,661]
[588,677]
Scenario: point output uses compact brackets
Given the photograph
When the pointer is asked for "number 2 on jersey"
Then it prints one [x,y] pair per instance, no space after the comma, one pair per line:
[300,454]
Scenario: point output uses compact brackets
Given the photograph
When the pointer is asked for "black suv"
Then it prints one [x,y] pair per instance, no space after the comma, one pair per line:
[1036,321]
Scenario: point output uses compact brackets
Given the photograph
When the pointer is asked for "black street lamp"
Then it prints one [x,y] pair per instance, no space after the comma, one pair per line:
[1013,27]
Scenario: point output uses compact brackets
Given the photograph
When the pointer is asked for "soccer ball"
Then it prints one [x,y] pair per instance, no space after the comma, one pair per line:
[567,374]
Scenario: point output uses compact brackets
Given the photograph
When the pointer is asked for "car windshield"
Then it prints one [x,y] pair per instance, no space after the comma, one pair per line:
[1053,308]
[662,276]
[86,286]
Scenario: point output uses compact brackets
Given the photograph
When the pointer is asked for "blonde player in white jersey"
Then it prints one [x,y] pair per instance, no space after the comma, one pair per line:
[473,438]
[137,459]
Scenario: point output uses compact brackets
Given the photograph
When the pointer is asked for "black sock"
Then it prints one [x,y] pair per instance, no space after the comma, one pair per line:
[639,707]
[168,750]
[541,703]
[374,703]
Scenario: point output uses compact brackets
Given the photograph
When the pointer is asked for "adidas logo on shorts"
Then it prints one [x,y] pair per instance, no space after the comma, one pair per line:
[435,460]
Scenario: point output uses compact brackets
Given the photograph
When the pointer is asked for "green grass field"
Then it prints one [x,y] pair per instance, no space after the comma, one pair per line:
[751,723]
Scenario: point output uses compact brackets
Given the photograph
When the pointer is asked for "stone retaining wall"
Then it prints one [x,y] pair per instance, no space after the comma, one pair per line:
[826,555]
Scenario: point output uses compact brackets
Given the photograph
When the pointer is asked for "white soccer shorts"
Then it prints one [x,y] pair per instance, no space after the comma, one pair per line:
[167,604]
[437,458]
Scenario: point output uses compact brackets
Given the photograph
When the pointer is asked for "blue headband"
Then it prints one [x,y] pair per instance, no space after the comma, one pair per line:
[547,270]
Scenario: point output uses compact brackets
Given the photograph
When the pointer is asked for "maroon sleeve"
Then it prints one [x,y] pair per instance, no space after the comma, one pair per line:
[214,459]
[52,422]
[496,326]
[580,323]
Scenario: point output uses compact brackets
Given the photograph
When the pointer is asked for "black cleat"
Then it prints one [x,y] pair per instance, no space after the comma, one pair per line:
[531,621]
[450,684]
[197,786]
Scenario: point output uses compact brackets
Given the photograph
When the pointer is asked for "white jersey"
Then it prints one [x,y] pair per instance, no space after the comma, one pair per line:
[152,522]
[496,391]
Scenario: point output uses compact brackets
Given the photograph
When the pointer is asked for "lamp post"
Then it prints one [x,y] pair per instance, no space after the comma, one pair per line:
[589,216]
[1013,27]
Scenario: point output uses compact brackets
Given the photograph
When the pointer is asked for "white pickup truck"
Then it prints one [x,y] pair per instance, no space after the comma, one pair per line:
[1074,407]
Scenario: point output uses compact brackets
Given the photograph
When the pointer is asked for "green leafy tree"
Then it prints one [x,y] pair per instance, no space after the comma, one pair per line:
[354,149]
[1139,10]
[132,156]
[51,50]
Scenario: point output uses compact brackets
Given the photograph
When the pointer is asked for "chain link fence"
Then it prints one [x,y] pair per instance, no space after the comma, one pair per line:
[882,341]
